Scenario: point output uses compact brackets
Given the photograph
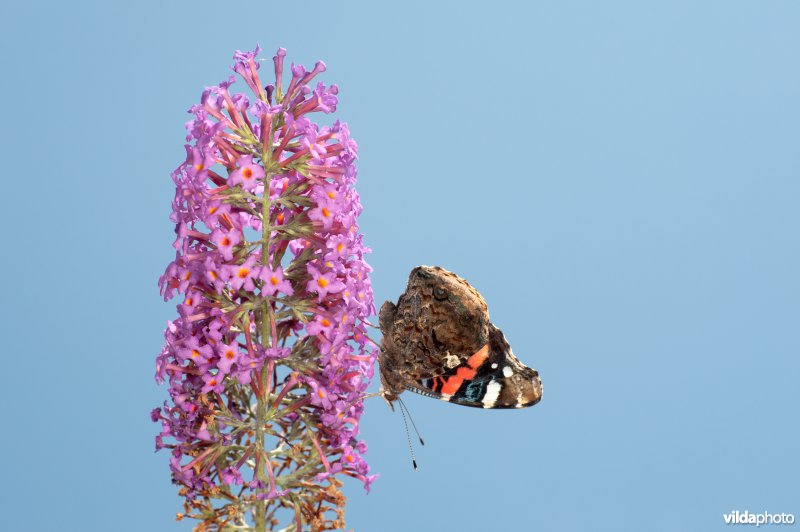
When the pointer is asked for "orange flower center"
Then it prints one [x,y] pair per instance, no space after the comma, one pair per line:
[225,242]
[322,282]
[229,354]
[247,173]
[273,281]
[325,322]
[195,353]
[339,247]
[325,212]
[242,273]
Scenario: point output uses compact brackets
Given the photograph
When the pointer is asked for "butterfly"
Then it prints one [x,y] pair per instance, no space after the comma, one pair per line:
[438,342]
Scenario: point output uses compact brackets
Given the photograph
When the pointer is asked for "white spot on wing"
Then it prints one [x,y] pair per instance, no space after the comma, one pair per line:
[494,365]
[507,371]
[491,395]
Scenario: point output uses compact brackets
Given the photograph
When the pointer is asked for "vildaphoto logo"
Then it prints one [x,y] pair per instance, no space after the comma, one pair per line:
[746,518]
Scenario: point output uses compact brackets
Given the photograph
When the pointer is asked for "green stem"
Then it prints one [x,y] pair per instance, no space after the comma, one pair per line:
[266,326]
[261,507]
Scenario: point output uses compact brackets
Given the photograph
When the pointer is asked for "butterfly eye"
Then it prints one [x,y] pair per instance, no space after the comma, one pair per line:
[439,294]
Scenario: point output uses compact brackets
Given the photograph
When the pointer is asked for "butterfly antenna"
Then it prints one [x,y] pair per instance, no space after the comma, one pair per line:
[403,405]
[408,437]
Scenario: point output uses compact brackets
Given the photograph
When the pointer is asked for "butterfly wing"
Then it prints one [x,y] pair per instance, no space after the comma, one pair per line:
[492,377]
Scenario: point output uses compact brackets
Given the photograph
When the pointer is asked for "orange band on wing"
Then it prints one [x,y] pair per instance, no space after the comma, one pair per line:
[452,385]
[479,357]
[466,373]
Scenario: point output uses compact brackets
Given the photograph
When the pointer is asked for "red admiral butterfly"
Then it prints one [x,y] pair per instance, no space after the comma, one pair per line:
[438,342]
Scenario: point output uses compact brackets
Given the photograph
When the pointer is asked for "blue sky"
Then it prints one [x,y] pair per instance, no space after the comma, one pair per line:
[619,180]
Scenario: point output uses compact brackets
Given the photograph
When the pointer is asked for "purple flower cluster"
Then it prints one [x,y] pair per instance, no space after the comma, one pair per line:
[270,343]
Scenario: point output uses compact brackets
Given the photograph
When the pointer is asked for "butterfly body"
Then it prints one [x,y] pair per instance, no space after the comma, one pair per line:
[438,341]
